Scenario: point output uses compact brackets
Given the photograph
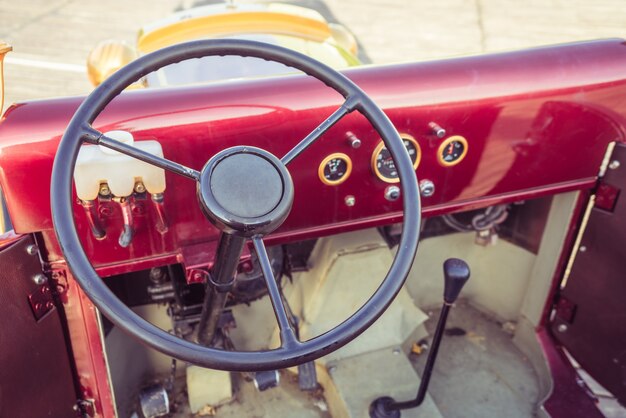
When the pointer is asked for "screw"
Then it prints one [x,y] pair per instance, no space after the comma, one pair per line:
[105,211]
[39,279]
[104,189]
[332,369]
[139,187]
[138,208]
[582,249]
[32,249]
[396,351]
[614,165]
[562,328]
[350,200]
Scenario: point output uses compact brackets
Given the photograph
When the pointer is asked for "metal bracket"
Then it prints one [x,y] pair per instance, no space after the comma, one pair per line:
[566,309]
[41,301]
[606,196]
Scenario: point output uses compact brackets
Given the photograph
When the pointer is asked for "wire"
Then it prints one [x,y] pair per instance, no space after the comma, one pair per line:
[492,216]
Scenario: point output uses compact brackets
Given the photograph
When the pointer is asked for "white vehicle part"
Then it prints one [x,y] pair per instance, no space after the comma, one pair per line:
[97,164]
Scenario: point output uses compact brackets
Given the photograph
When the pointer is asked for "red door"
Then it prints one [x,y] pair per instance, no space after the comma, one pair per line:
[590,314]
[36,378]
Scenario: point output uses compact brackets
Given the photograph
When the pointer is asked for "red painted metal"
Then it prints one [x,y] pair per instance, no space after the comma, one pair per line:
[521,112]
[86,344]
[606,196]
[570,395]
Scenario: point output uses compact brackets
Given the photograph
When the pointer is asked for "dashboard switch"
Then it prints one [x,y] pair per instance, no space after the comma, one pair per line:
[437,130]
[354,141]
[427,188]
[392,193]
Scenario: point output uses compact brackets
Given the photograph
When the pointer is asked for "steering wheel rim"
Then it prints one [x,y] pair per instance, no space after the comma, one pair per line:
[80,130]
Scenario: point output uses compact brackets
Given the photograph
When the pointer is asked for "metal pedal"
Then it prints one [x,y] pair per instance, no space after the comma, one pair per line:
[307,376]
[266,380]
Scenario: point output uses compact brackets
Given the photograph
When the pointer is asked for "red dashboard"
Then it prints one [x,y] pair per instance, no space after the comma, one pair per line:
[536,122]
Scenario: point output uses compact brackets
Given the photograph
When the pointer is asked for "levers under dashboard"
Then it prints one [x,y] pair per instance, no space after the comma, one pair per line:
[456,272]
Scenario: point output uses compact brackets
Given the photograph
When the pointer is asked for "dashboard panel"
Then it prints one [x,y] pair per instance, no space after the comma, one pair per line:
[507,119]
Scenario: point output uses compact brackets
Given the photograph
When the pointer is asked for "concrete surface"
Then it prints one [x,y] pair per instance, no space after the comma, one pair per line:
[51,38]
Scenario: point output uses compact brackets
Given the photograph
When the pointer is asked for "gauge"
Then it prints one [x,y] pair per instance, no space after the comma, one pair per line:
[335,169]
[452,151]
[384,166]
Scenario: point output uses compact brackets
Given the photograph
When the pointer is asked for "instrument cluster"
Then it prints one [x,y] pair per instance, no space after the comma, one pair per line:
[336,168]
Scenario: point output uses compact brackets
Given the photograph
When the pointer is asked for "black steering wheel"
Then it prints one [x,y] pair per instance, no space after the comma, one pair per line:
[230,212]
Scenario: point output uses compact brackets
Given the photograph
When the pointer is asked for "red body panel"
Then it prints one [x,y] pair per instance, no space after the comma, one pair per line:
[522,113]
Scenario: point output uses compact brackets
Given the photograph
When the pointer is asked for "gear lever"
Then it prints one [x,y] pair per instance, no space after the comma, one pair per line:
[456,273]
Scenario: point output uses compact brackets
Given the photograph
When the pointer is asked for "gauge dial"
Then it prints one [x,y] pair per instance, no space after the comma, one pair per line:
[335,169]
[383,165]
[452,151]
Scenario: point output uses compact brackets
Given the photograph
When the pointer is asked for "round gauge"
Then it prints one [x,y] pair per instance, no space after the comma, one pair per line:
[335,169]
[383,165]
[452,151]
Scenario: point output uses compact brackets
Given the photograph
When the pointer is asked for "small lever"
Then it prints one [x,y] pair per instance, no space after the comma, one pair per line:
[456,272]
[127,215]
[92,217]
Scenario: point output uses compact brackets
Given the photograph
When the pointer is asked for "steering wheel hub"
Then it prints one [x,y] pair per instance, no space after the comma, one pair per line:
[245,191]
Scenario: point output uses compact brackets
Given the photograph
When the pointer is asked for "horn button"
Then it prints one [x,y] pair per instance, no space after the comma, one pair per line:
[245,191]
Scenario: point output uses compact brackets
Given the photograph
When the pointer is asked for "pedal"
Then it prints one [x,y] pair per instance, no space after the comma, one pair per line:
[266,380]
[307,377]
[154,402]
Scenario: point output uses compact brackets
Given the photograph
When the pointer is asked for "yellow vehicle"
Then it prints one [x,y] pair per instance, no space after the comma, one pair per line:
[297,28]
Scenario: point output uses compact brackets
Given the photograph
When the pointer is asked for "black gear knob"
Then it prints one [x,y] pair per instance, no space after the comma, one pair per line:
[456,273]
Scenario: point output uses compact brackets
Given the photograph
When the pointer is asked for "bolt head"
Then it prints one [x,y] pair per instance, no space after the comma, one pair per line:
[140,188]
[562,328]
[614,165]
[350,200]
[105,210]
[104,189]
[32,249]
[582,249]
[39,279]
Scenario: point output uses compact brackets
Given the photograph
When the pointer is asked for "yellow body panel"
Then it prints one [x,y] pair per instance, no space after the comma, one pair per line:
[233,23]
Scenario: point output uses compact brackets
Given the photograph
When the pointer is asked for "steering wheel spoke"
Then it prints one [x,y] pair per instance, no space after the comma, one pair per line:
[348,106]
[144,156]
[288,336]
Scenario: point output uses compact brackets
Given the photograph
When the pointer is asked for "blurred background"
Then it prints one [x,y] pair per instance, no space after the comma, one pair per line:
[52,38]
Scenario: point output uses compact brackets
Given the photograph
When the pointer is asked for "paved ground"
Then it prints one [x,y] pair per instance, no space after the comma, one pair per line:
[52,38]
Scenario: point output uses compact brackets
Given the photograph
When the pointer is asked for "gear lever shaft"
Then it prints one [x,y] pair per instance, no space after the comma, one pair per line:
[456,273]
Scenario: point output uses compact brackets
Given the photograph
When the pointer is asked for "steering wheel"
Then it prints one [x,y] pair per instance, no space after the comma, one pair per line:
[247,211]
